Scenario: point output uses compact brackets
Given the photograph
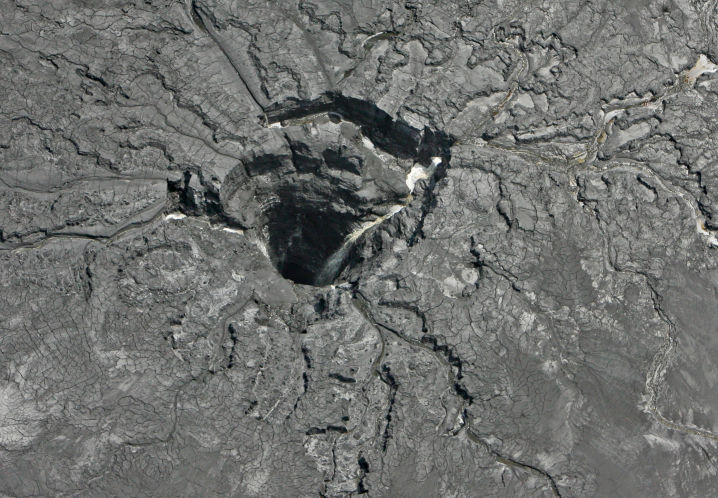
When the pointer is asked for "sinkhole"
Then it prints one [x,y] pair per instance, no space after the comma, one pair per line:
[306,237]
[344,166]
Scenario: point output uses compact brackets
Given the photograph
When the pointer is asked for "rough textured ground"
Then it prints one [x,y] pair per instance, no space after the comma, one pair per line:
[334,247]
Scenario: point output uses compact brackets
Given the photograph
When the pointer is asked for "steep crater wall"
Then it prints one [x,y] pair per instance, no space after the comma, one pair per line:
[345,168]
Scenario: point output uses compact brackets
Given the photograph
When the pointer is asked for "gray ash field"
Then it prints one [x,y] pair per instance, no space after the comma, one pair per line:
[330,248]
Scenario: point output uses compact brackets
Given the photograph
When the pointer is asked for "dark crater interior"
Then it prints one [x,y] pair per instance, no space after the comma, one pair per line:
[306,200]
[303,237]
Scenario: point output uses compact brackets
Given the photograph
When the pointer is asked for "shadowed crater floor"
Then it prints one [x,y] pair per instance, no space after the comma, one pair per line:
[346,167]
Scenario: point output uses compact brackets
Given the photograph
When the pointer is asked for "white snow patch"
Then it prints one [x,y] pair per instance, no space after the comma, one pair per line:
[175,216]
[700,226]
[233,230]
[369,38]
[703,65]
[257,241]
[419,172]
[368,224]
[368,143]
[262,248]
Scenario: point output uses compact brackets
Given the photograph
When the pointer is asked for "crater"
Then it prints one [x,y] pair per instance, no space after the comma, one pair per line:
[346,166]
[304,234]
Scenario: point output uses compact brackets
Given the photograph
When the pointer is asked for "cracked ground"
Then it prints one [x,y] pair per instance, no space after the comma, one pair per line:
[333,248]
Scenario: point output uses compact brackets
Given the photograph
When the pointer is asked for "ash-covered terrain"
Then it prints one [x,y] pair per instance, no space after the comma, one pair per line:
[331,248]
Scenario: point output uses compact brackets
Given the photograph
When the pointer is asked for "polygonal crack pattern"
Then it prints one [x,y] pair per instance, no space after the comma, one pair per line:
[344,169]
